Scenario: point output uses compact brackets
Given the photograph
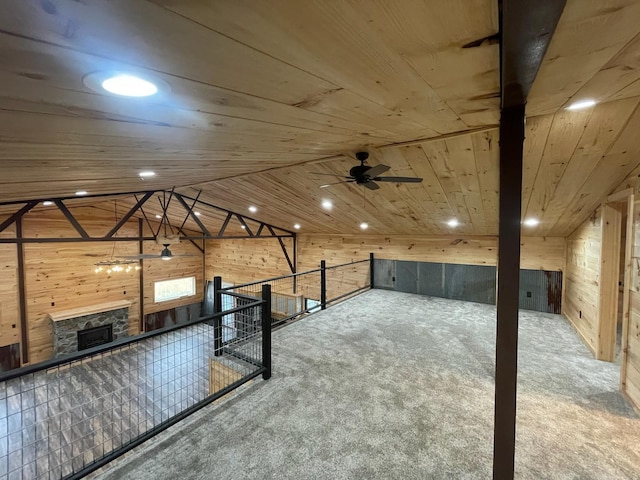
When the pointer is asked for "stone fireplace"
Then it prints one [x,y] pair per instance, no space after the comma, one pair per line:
[93,325]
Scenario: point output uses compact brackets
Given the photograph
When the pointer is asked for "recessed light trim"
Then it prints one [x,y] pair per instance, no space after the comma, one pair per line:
[253,209]
[581,104]
[47,203]
[453,222]
[158,216]
[327,204]
[147,174]
[364,226]
[531,222]
[80,193]
[126,84]
[197,214]
[243,227]
[297,226]
[129,86]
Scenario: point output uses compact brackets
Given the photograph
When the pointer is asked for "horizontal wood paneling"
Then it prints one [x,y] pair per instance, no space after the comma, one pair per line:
[581,300]
[246,260]
[61,277]
[178,267]
[9,306]
[537,252]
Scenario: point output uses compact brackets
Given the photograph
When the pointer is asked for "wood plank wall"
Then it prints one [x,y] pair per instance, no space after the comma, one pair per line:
[240,261]
[246,260]
[537,252]
[581,300]
[630,376]
[9,307]
[61,276]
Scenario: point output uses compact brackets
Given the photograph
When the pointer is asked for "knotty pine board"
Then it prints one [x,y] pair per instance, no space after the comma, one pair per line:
[537,252]
[581,301]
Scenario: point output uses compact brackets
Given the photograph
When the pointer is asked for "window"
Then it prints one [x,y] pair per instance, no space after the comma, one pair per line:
[312,305]
[173,289]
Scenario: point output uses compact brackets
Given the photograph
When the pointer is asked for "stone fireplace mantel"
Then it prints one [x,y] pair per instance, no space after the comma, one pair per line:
[67,323]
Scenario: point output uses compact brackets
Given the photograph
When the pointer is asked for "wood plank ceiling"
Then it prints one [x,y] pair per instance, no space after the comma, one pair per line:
[262,94]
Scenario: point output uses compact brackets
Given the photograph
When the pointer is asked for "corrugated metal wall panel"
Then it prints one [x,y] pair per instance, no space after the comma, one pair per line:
[384,274]
[541,291]
[471,283]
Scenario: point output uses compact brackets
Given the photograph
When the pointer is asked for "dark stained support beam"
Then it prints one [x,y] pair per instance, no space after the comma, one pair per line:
[511,143]
[259,232]
[141,275]
[22,294]
[17,215]
[284,248]
[244,224]
[526,28]
[224,224]
[63,208]
[195,218]
[129,214]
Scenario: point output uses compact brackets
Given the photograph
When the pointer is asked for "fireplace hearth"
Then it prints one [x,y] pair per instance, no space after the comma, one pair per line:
[92,337]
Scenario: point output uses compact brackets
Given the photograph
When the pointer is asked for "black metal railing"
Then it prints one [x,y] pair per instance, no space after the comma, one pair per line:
[301,293]
[66,417]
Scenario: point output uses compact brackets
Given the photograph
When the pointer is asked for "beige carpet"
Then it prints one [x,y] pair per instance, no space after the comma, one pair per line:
[392,385]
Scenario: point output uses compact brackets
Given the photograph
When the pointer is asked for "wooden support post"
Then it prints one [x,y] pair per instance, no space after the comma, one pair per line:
[511,150]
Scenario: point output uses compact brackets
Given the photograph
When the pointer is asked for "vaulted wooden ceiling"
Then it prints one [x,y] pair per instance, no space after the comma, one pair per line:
[264,93]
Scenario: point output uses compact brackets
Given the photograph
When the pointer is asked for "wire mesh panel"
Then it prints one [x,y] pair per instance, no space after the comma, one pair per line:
[347,279]
[63,419]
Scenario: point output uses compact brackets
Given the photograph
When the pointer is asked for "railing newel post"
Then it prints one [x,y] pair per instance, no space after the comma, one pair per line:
[266,331]
[217,321]
[323,285]
[371,270]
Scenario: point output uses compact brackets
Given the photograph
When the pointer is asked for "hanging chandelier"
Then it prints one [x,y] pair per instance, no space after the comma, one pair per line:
[113,264]
[116,266]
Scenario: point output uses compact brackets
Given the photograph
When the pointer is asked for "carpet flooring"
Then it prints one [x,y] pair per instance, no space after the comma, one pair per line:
[392,385]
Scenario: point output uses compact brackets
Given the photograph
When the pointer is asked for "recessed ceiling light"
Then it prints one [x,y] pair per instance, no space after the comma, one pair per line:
[327,204]
[581,104]
[253,209]
[364,226]
[81,192]
[531,222]
[453,222]
[297,226]
[158,216]
[147,173]
[129,86]
[325,186]
[243,227]
[47,203]
[197,214]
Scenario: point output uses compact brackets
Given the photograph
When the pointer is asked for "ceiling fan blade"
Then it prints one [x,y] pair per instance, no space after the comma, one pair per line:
[327,174]
[371,185]
[142,256]
[376,170]
[337,183]
[398,179]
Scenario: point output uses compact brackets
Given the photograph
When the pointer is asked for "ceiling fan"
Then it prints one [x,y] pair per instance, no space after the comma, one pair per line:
[165,254]
[368,176]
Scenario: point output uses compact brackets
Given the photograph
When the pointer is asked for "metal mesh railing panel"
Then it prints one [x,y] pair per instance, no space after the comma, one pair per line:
[61,420]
